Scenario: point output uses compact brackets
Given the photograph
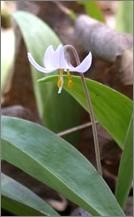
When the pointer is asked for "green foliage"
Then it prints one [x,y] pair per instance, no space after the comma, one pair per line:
[125,175]
[53,108]
[53,161]
[124,18]
[19,200]
[92,9]
[112,109]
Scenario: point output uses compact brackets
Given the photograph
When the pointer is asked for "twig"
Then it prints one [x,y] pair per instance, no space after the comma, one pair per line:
[74,129]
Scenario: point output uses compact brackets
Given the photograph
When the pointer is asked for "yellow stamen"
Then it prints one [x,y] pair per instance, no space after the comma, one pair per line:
[61,72]
[60,81]
[69,74]
[70,82]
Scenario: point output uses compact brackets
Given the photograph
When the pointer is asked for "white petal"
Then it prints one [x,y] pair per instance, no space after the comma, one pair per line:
[59,58]
[84,65]
[48,57]
[63,61]
[55,59]
[56,56]
[36,65]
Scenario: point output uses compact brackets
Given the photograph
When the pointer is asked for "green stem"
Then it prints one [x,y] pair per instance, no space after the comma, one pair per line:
[90,111]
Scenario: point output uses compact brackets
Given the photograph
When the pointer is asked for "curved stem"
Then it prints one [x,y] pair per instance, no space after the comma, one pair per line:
[90,110]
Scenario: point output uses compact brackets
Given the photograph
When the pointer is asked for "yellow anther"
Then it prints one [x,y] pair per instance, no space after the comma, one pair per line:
[60,82]
[60,78]
[70,82]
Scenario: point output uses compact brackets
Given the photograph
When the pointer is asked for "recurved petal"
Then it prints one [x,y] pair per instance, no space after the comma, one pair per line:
[48,57]
[36,65]
[84,65]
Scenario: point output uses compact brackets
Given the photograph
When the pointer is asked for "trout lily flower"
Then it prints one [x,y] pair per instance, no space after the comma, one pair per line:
[56,60]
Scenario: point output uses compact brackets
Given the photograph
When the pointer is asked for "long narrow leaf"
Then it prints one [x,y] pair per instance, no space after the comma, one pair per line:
[53,161]
[17,208]
[112,109]
[125,174]
[19,200]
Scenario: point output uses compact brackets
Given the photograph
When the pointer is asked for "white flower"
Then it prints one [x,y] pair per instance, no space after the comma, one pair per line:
[56,60]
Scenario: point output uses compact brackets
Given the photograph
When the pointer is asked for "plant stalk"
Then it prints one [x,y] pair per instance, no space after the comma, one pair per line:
[90,111]
[75,129]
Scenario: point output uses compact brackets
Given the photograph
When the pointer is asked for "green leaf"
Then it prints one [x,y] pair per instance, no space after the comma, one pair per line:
[124,17]
[53,161]
[17,208]
[112,109]
[92,9]
[53,108]
[125,174]
[19,200]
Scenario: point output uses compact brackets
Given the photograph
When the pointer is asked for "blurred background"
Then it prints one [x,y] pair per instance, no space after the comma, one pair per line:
[76,23]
